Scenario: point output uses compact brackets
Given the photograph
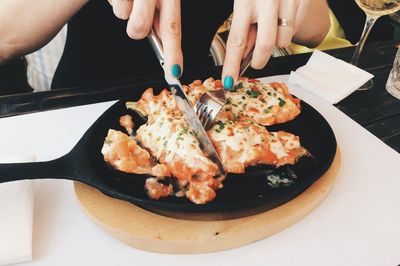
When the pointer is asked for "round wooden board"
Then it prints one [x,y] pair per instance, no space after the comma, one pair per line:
[149,231]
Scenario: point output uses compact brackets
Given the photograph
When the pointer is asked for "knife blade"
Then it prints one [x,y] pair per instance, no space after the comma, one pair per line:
[184,105]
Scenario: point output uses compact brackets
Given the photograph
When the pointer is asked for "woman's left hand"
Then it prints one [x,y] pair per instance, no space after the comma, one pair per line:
[265,24]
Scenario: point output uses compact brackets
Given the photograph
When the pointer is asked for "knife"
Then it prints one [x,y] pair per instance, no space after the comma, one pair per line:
[184,105]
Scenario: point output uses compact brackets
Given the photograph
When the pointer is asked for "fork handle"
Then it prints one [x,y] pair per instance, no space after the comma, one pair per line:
[246,62]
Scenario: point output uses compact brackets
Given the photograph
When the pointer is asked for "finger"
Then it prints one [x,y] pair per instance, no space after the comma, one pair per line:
[141,19]
[236,43]
[287,12]
[251,40]
[301,13]
[266,33]
[170,33]
[122,8]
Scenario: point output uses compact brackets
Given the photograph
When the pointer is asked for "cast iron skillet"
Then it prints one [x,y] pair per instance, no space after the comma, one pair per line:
[85,163]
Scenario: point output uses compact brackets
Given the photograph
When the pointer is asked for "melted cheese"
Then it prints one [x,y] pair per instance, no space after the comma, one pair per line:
[282,144]
[168,137]
[239,140]
[266,104]
[278,149]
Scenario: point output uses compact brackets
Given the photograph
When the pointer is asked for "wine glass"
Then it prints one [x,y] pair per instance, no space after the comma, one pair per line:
[373,10]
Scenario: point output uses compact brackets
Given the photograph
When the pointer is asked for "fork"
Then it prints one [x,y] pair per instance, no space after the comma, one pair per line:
[211,102]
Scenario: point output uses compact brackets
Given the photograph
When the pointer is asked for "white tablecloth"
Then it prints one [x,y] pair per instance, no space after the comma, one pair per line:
[358,223]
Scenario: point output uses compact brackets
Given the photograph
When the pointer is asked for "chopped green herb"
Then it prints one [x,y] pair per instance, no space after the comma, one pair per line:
[244,98]
[165,144]
[253,94]
[266,111]
[108,142]
[228,101]
[237,86]
[281,102]
[221,125]
[217,130]
[269,93]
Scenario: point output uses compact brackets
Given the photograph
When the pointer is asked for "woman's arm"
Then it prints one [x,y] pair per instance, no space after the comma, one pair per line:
[264,24]
[27,25]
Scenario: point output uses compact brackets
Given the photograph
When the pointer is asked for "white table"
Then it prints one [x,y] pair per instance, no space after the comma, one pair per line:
[358,223]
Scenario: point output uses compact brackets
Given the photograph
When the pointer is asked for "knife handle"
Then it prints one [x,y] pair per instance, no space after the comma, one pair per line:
[157,46]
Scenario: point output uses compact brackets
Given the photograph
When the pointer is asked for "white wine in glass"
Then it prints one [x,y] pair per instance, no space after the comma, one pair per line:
[373,10]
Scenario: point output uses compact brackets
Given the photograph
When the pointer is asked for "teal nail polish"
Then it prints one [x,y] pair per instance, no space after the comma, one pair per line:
[228,82]
[176,70]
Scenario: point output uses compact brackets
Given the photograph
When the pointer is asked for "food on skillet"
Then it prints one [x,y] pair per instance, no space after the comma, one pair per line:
[244,143]
[167,136]
[126,121]
[239,140]
[124,154]
[266,104]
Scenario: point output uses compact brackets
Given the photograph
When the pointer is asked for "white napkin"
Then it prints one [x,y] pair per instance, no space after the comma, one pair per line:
[330,78]
[16,216]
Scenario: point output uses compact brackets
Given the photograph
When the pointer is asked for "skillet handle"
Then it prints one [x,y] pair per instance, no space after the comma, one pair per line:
[56,169]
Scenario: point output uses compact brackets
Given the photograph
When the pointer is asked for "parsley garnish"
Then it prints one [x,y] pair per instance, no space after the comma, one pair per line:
[221,125]
[237,86]
[281,102]
[253,94]
[108,142]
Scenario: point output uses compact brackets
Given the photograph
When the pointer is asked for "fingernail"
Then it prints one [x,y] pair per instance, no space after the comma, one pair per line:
[228,83]
[176,70]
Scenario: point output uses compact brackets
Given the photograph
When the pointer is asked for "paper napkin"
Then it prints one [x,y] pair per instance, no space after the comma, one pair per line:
[330,78]
[16,216]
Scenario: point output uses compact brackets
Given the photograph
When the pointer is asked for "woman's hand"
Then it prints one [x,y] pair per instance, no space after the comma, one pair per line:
[265,24]
[165,16]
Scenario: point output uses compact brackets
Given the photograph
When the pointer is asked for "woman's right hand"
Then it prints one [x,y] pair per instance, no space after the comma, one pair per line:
[165,16]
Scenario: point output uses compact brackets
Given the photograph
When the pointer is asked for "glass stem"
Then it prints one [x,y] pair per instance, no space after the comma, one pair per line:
[369,23]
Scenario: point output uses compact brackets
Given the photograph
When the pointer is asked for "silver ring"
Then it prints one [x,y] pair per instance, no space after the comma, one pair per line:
[285,23]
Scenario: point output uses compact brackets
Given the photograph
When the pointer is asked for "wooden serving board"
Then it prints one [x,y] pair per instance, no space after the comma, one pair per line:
[149,231]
